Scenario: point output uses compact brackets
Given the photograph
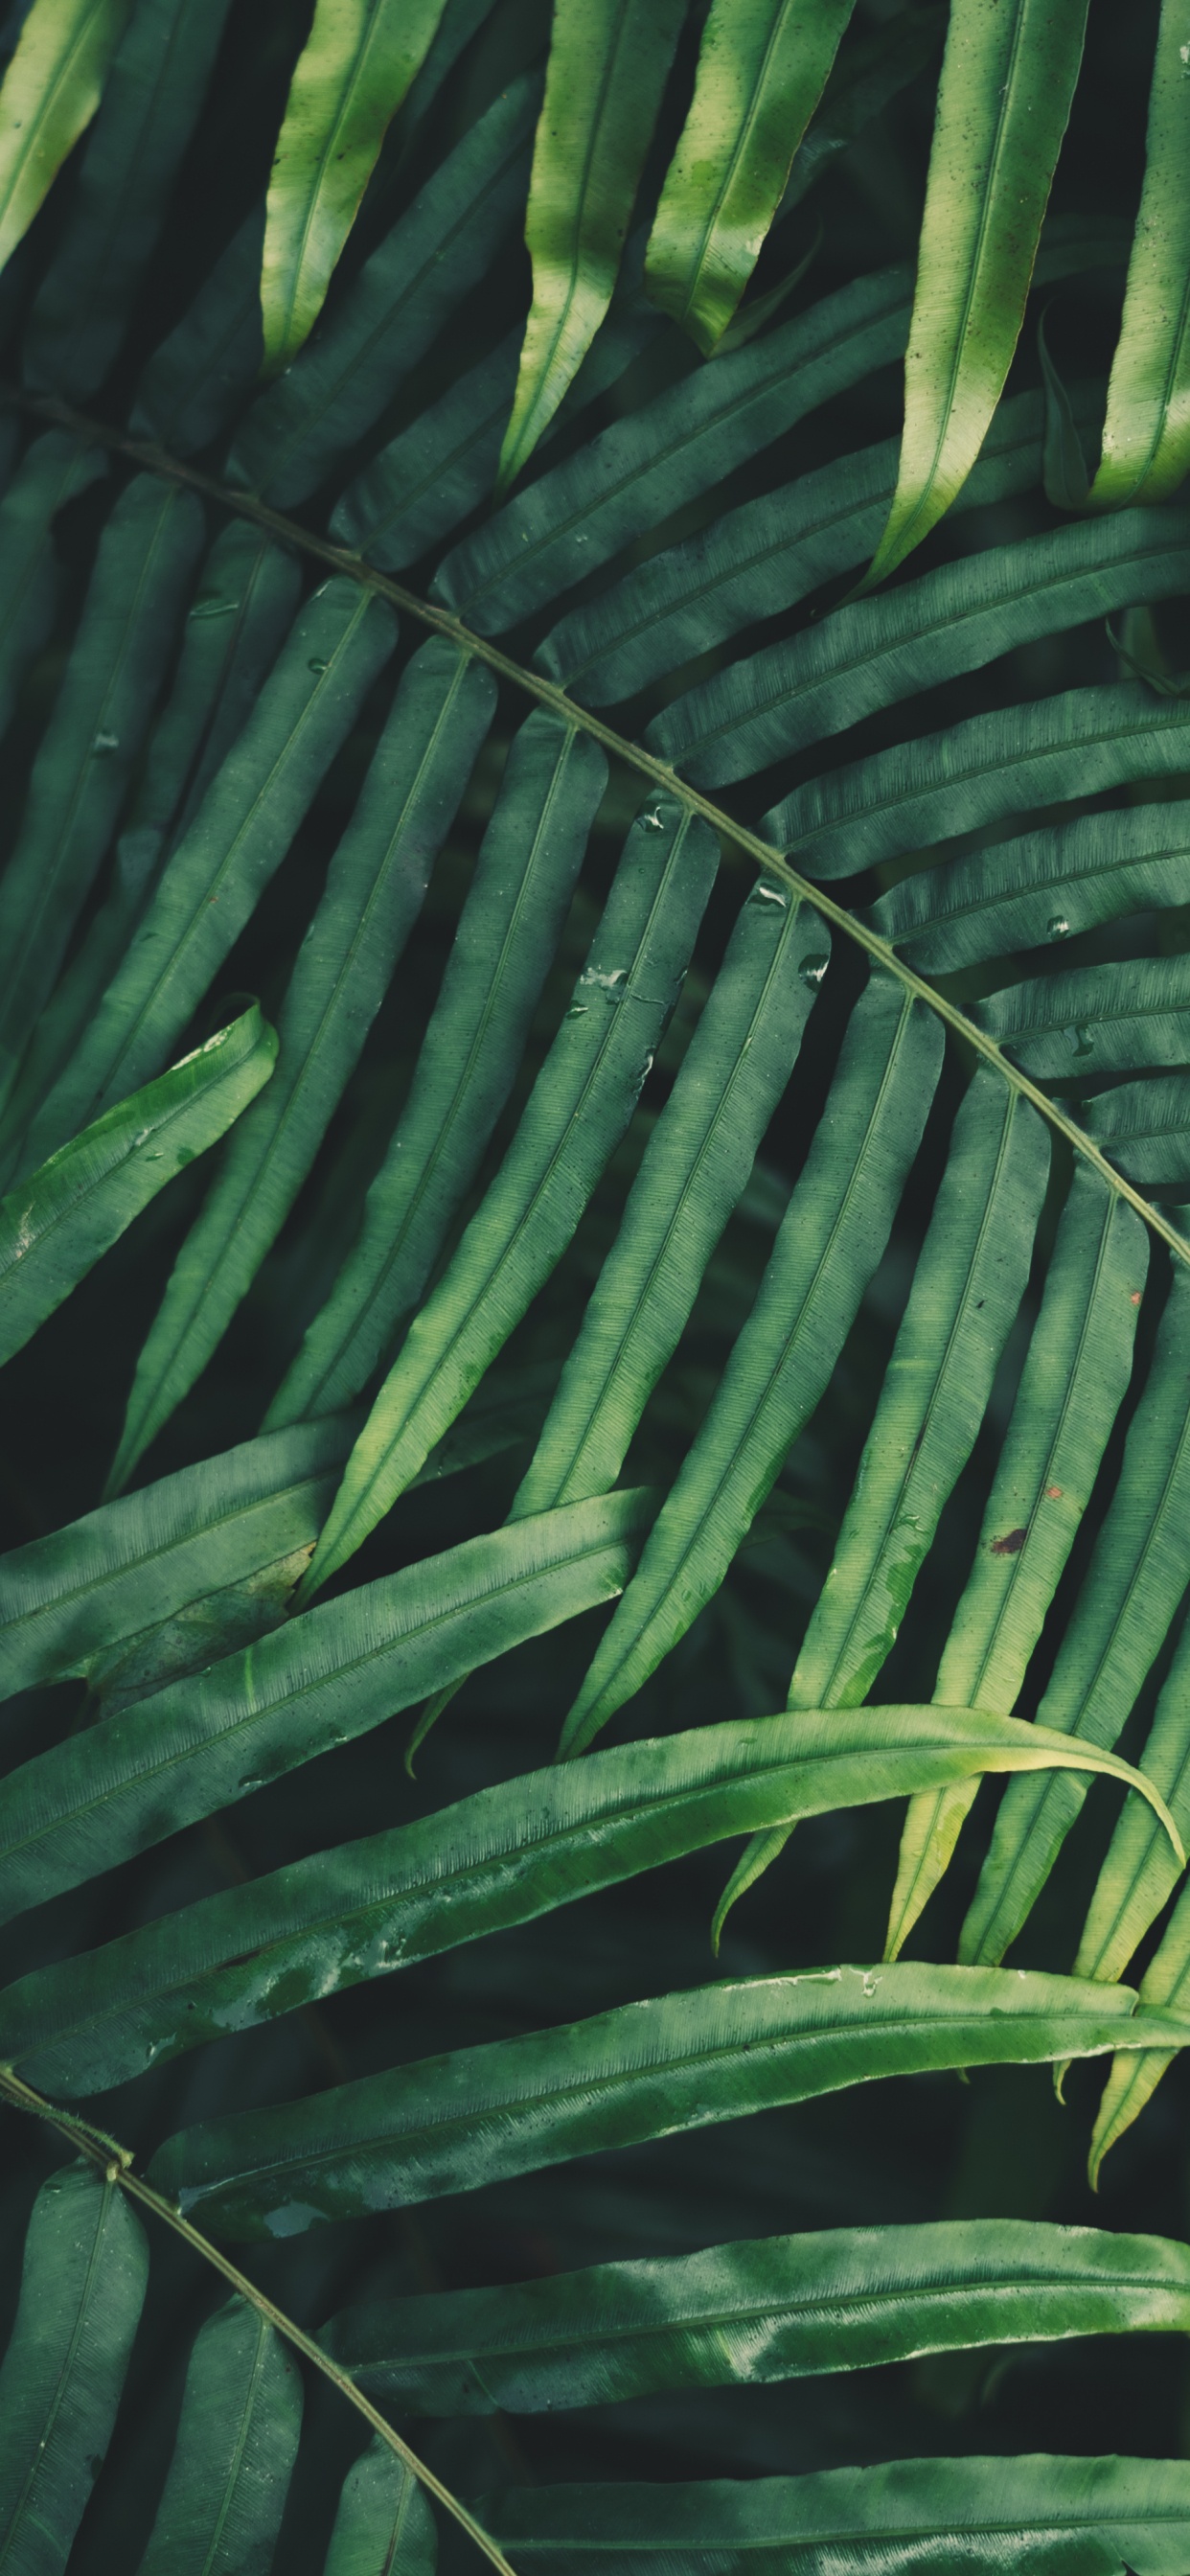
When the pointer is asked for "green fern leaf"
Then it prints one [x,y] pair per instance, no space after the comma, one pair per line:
[1045,887]
[508,931]
[608,64]
[831,1239]
[306,424]
[219,870]
[931,790]
[1007,83]
[789,696]
[82,2286]
[374,891]
[1074,1380]
[384,2526]
[581,1103]
[1076,2516]
[237,2440]
[641,2071]
[1130,1592]
[50,92]
[150,106]
[184,1752]
[1146,436]
[356,66]
[766,2308]
[762,69]
[70,1601]
[234,1960]
[134,606]
[57,1224]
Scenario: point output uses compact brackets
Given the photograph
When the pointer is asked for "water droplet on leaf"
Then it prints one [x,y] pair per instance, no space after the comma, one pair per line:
[1057,927]
[813,968]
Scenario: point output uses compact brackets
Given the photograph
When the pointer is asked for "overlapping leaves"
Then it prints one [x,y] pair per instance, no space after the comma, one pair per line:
[137,862]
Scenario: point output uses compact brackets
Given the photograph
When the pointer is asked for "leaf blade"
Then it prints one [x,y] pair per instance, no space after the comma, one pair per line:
[56,1225]
[353,72]
[239,1958]
[640,2071]
[609,61]
[761,72]
[1004,97]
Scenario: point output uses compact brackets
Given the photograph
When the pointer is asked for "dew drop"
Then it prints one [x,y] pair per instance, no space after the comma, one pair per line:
[318,667]
[813,968]
[578,1010]
[1057,927]
[104,742]
[1080,1041]
[651,820]
[211,603]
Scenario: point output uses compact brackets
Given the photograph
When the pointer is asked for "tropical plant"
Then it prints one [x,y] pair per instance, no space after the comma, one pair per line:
[724,1159]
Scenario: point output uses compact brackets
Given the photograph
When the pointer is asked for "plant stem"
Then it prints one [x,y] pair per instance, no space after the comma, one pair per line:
[244,505]
[116,2164]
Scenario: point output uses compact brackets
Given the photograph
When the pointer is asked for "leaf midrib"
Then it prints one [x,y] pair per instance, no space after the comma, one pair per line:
[784,2310]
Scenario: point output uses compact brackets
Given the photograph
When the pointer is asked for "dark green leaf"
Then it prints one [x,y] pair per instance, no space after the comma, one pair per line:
[82,2283]
[374,892]
[1043,888]
[655,460]
[238,2436]
[93,1588]
[790,695]
[577,1112]
[384,2526]
[301,429]
[508,930]
[641,2071]
[234,845]
[134,606]
[1131,1589]
[830,1241]
[773,2307]
[503,1856]
[150,106]
[55,1225]
[127,1782]
[1034,2516]
[942,784]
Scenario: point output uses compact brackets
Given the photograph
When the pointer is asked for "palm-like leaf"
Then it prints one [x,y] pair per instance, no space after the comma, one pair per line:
[539,1262]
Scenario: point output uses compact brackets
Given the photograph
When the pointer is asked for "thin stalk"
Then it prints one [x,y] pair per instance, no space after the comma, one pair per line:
[116,2164]
[290,532]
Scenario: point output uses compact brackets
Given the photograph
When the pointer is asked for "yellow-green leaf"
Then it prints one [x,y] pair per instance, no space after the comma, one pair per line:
[607,70]
[1007,81]
[349,82]
[1146,436]
[51,90]
[761,72]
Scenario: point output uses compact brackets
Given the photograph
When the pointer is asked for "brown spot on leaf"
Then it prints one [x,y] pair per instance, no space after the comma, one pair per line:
[1011,1543]
[1054,1493]
[1135,1298]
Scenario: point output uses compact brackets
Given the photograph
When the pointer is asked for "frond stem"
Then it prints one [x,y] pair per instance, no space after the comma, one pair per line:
[246,505]
[116,2164]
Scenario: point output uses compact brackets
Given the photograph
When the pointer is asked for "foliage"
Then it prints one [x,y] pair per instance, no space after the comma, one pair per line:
[654,1238]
